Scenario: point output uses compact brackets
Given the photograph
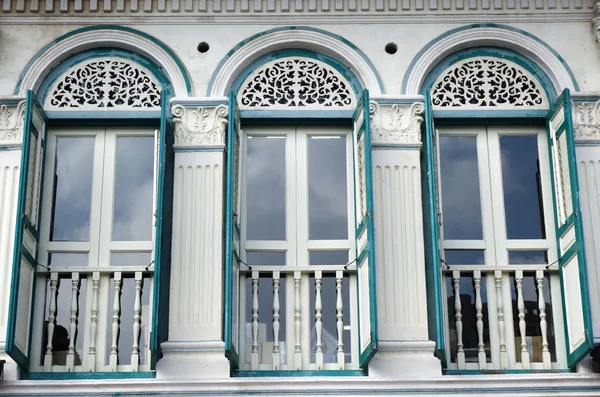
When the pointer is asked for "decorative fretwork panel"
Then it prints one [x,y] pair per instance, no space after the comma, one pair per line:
[296,83]
[106,82]
[487,82]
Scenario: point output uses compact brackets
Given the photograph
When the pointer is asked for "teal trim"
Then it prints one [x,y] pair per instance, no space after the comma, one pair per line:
[564,102]
[231,218]
[10,101]
[205,104]
[487,114]
[103,115]
[379,146]
[484,25]
[297,374]
[167,49]
[495,52]
[591,98]
[261,34]
[86,375]
[343,69]
[105,122]
[295,114]
[297,121]
[74,60]
[466,121]
[585,143]
[504,371]
[201,149]
[433,273]
[22,222]
[10,147]
[399,101]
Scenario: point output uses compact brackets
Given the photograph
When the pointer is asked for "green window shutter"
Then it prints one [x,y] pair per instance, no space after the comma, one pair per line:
[433,274]
[232,236]
[162,240]
[25,256]
[365,245]
[569,230]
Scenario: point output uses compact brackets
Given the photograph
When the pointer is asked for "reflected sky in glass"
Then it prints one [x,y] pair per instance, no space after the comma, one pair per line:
[327,188]
[134,172]
[522,197]
[259,258]
[265,194]
[461,201]
[72,189]
[527,257]
[464,257]
[328,257]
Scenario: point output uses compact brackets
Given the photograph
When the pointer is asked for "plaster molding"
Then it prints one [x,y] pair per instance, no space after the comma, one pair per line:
[586,120]
[199,126]
[11,123]
[51,56]
[596,21]
[476,36]
[396,123]
[296,38]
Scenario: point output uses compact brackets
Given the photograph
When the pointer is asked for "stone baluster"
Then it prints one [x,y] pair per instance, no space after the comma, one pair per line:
[54,285]
[276,314]
[73,321]
[522,325]
[319,319]
[114,349]
[546,358]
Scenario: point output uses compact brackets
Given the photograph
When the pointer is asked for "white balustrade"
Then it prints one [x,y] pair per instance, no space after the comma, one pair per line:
[485,323]
[276,357]
[54,283]
[137,322]
[114,349]
[73,320]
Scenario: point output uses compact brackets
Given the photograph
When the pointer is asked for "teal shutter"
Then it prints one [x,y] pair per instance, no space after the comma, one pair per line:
[569,230]
[433,273]
[162,239]
[232,236]
[25,256]
[365,245]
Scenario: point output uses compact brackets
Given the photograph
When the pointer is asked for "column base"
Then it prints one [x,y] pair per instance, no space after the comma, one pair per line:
[193,360]
[402,359]
[11,369]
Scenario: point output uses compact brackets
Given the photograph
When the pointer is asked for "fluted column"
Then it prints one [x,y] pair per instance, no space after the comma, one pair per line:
[195,347]
[405,348]
[12,111]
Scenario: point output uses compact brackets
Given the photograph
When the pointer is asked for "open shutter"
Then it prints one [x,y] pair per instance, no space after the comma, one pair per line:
[365,246]
[162,221]
[232,236]
[433,274]
[569,230]
[25,256]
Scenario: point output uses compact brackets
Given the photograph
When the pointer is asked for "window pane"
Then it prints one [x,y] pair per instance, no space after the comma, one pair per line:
[73,171]
[327,188]
[522,188]
[527,257]
[67,259]
[461,201]
[130,258]
[464,257]
[265,194]
[265,258]
[328,257]
[134,172]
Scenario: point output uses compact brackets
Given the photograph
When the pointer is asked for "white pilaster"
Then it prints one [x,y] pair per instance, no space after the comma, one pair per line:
[195,348]
[12,111]
[404,345]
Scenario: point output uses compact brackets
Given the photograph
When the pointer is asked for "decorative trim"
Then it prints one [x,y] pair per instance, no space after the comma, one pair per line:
[296,83]
[586,120]
[487,83]
[398,124]
[596,21]
[102,37]
[11,123]
[199,127]
[478,35]
[298,37]
[107,83]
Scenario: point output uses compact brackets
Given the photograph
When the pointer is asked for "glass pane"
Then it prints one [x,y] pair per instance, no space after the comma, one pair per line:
[134,180]
[327,188]
[464,257]
[522,187]
[527,257]
[67,259]
[461,200]
[73,172]
[130,258]
[328,257]
[265,194]
[265,258]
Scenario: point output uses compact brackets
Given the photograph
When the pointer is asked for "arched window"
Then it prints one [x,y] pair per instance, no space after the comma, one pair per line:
[502,183]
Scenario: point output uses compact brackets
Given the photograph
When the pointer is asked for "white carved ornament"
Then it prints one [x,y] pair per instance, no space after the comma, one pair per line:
[105,83]
[200,126]
[487,83]
[296,83]
[396,124]
[11,123]
[586,120]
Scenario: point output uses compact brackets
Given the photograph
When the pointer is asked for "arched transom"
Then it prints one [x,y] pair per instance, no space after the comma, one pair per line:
[487,83]
[296,83]
[105,83]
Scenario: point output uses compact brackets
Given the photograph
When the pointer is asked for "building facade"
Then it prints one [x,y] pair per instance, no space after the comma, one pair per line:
[273,197]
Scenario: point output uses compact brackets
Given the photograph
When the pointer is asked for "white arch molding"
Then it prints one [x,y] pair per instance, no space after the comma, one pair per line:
[535,50]
[95,38]
[293,38]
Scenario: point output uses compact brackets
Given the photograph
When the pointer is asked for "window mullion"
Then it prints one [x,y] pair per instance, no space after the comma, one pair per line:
[497,196]
[104,225]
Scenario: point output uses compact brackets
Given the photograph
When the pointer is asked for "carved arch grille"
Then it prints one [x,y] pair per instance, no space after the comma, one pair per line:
[487,83]
[296,83]
[105,83]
